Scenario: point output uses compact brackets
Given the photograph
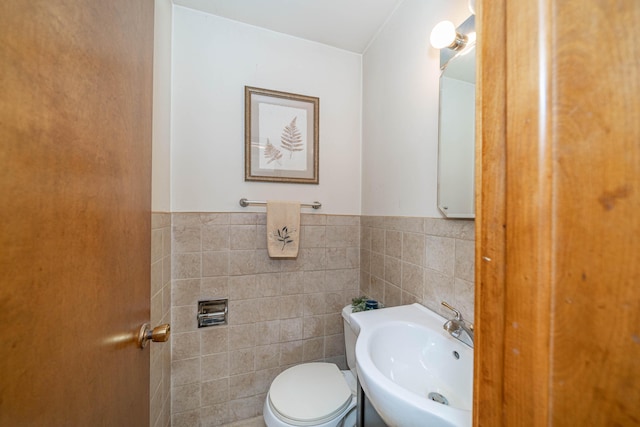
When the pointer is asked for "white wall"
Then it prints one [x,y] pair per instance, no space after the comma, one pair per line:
[161,151]
[213,59]
[400,111]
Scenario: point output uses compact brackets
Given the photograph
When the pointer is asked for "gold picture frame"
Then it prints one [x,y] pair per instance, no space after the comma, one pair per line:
[281,132]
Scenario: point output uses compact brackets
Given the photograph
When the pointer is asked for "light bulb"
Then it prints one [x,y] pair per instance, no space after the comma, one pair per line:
[443,35]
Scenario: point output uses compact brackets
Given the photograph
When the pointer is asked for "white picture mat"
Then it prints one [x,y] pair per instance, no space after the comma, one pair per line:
[272,121]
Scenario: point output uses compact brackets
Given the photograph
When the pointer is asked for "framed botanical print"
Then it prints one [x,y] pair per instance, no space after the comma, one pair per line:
[281,136]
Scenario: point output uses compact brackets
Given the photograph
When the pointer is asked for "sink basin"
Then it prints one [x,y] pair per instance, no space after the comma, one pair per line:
[413,372]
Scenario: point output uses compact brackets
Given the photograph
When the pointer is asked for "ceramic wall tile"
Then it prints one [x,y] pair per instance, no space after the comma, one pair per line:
[284,312]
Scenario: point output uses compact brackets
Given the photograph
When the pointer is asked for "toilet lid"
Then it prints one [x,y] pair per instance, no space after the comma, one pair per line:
[311,392]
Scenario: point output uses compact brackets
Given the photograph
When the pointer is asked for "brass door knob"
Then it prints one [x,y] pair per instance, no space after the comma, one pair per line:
[160,333]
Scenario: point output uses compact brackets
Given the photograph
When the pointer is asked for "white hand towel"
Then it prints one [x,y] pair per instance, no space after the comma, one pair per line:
[283,229]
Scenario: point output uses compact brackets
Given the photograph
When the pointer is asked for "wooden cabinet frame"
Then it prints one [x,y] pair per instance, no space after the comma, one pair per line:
[558,193]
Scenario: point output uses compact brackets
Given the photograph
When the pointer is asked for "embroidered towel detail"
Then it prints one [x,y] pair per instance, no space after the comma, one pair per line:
[283,229]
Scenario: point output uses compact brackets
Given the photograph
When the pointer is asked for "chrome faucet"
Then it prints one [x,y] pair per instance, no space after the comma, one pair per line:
[458,328]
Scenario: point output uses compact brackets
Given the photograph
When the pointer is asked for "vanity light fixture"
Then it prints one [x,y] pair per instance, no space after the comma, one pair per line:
[444,34]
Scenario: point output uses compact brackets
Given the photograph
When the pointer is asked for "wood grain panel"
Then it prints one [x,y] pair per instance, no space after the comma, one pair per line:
[75,126]
[571,313]
[529,221]
[490,212]
[595,357]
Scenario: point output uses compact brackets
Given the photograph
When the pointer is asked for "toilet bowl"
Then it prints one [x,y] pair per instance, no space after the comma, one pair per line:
[311,394]
[315,394]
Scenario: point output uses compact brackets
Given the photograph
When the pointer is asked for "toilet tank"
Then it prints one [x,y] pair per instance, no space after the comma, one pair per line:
[350,335]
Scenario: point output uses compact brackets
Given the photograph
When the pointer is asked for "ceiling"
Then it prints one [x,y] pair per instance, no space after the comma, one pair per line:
[345,24]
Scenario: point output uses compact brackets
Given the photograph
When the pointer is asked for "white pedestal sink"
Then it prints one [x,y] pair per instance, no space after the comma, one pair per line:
[412,370]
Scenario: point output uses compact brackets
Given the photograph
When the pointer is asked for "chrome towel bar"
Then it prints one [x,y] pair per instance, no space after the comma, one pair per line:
[244,203]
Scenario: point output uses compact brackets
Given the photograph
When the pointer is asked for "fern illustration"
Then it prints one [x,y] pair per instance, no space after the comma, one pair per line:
[284,237]
[291,139]
[272,153]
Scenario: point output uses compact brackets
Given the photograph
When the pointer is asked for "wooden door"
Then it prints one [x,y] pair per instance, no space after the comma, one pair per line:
[558,255]
[75,163]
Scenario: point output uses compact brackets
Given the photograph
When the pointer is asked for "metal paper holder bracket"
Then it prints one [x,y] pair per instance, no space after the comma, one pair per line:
[212,312]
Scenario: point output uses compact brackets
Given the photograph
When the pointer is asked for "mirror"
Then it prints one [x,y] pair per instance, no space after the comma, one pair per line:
[456,141]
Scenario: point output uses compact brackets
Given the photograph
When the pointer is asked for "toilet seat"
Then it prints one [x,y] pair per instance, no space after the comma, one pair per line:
[309,394]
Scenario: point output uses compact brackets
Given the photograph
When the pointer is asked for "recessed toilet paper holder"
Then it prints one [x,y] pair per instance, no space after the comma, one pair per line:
[212,312]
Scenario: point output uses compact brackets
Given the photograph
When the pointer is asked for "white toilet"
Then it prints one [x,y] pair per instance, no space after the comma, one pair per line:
[315,394]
